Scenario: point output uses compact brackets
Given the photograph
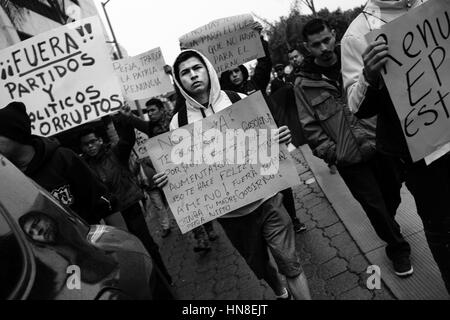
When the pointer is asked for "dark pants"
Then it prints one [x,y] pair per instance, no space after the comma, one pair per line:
[136,224]
[430,187]
[268,227]
[376,184]
[289,204]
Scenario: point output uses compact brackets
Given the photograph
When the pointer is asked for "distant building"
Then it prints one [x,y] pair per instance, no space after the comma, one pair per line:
[22,19]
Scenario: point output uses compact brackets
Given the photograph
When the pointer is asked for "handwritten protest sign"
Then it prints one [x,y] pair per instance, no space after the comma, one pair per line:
[64,77]
[417,74]
[143,76]
[227,42]
[229,162]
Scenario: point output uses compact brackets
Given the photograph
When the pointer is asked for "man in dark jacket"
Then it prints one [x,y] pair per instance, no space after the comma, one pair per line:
[111,165]
[58,170]
[335,135]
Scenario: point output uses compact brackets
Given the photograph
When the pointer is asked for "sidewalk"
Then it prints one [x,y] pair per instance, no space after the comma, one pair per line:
[426,282]
[334,264]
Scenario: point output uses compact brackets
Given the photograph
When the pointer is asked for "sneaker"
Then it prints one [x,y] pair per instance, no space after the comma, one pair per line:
[212,235]
[202,246]
[299,227]
[285,296]
[402,266]
[165,232]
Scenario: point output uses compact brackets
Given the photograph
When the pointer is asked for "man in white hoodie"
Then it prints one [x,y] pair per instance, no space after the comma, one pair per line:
[368,96]
[261,225]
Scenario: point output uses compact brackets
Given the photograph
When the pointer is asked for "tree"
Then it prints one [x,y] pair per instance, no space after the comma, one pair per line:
[285,34]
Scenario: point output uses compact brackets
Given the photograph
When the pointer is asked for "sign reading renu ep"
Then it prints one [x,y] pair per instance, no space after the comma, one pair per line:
[417,74]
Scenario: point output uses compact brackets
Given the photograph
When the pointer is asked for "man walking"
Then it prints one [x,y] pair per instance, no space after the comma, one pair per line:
[367,95]
[336,136]
[261,225]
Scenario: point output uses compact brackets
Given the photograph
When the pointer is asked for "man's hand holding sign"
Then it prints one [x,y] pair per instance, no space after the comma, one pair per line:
[411,53]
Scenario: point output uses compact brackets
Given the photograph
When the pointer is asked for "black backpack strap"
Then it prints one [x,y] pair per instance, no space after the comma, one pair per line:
[182,116]
[233,96]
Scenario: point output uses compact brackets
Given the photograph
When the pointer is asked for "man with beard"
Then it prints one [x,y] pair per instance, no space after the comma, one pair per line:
[336,136]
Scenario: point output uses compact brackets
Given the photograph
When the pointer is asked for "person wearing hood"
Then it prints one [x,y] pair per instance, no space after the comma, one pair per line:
[57,169]
[367,95]
[280,79]
[336,136]
[111,165]
[258,226]
[238,79]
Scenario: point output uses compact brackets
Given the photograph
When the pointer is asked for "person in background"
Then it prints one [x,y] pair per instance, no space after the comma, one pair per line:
[295,61]
[279,81]
[111,164]
[59,170]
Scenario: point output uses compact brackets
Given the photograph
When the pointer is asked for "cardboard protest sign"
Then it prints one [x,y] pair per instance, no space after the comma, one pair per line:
[417,74]
[227,42]
[64,77]
[222,163]
[143,76]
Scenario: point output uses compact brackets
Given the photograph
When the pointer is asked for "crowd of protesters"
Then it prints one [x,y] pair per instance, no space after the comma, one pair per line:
[332,98]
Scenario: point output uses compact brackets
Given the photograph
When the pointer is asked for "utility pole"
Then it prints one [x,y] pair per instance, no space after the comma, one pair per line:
[112,30]
[119,52]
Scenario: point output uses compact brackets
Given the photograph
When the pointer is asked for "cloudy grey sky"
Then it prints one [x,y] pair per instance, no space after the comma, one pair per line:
[141,25]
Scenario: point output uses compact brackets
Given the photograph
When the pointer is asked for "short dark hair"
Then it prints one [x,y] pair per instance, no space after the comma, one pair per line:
[183,56]
[293,49]
[86,132]
[279,66]
[314,26]
[155,102]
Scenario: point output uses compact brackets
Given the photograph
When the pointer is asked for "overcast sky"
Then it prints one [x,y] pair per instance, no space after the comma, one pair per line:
[141,25]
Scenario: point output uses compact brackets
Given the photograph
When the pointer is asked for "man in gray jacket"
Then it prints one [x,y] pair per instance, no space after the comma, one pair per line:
[336,136]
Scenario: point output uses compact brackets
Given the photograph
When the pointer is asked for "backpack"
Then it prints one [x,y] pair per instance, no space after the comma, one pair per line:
[182,113]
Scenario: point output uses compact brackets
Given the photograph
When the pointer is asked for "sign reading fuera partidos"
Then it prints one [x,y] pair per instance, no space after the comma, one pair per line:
[64,77]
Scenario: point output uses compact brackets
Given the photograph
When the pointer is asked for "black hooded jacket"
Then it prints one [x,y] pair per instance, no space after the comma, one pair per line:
[260,78]
[69,179]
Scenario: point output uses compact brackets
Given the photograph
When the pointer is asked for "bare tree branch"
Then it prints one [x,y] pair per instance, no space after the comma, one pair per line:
[310,5]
